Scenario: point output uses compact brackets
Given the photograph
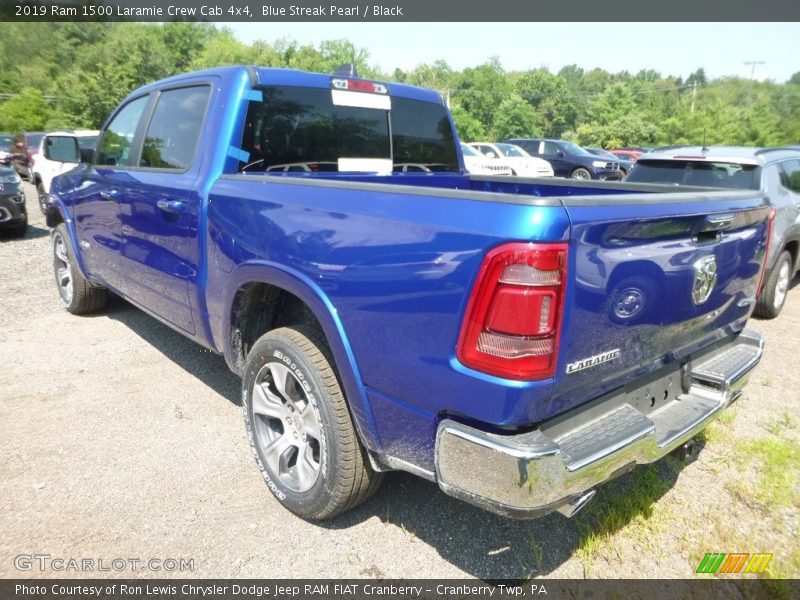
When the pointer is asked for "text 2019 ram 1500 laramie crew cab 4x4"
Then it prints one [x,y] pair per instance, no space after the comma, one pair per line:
[518,341]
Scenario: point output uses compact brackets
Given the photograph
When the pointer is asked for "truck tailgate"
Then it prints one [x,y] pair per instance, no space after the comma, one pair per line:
[650,283]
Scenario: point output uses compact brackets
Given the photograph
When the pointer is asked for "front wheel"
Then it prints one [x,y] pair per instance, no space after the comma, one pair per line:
[300,428]
[773,296]
[581,173]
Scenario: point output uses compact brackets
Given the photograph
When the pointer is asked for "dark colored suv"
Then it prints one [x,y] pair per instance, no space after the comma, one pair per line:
[570,160]
[26,145]
[775,171]
[13,214]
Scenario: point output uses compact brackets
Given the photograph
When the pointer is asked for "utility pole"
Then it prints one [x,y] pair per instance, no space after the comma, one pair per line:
[694,93]
[753,64]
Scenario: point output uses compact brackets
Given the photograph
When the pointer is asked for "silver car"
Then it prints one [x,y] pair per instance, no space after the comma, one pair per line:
[775,171]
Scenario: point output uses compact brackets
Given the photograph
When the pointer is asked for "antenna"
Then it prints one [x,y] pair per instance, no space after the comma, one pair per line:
[346,70]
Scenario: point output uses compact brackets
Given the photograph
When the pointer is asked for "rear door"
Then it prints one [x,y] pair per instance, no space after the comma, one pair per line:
[647,289]
[159,211]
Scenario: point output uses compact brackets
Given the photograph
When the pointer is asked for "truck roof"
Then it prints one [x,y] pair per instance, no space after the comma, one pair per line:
[295,77]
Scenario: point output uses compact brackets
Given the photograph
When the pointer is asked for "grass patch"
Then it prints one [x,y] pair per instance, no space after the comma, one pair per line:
[778,468]
[630,503]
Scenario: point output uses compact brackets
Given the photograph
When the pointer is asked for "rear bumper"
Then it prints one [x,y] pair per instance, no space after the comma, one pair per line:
[556,466]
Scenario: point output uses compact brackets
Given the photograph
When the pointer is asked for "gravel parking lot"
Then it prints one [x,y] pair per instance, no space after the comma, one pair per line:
[120,438]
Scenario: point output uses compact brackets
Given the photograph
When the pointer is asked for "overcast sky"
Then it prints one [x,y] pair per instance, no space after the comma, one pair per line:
[670,48]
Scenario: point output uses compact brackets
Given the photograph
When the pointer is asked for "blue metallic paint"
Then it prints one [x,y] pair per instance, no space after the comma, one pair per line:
[388,274]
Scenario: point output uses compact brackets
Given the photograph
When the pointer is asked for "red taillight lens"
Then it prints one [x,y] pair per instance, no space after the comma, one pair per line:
[514,315]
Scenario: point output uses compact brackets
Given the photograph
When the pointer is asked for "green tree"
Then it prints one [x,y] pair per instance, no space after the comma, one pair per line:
[469,128]
[27,110]
[517,118]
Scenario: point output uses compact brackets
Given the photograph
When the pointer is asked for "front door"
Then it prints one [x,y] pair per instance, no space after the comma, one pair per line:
[96,208]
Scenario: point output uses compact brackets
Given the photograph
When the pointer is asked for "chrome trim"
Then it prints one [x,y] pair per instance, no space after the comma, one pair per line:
[531,474]
[4,215]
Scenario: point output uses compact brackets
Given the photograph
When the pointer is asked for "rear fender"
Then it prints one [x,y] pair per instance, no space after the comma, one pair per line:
[310,293]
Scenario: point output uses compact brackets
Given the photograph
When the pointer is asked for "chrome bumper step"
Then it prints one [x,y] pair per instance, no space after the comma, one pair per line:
[553,467]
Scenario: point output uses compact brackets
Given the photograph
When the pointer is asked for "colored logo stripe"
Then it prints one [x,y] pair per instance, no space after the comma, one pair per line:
[720,562]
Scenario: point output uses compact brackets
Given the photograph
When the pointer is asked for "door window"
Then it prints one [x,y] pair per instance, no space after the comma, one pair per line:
[173,132]
[791,175]
[115,149]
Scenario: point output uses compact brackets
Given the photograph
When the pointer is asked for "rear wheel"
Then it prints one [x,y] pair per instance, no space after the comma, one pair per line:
[300,428]
[581,173]
[77,294]
[773,296]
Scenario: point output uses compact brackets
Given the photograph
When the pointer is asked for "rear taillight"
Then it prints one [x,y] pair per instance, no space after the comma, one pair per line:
[770,227]
[513,318]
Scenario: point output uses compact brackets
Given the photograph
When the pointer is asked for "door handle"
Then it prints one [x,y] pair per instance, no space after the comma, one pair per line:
[174,207]
[109,194]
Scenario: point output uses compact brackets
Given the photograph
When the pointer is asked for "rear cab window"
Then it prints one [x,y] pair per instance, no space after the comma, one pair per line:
[301,130]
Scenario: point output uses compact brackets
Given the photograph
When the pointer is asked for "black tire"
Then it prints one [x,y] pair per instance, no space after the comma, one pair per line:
[82,298]
[773,296]
[631,301]
[581,173]
[42,197]
[18,231]
[344,477]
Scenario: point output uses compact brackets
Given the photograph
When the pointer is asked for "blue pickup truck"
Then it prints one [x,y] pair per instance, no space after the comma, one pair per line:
[517,341]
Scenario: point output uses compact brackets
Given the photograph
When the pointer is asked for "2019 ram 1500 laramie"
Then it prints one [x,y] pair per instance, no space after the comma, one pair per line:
[518,341]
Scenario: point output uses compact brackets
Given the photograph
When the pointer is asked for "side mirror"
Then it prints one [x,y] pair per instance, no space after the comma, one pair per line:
[62,148]
[491,154]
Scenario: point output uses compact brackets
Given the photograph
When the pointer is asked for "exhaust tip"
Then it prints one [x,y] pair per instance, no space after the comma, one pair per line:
[578,503]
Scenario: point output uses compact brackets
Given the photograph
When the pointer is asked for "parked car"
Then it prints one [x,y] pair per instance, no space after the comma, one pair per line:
[432,324]
[13,212]
[570,160]
[774,171]
[60,151]
[6,143]
[478,164]
[23,151]
[624,164]
[521,163]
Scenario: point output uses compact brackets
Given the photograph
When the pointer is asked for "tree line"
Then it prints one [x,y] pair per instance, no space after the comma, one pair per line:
[71,75]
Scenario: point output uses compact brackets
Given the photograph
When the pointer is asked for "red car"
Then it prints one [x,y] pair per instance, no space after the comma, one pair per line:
[25,147]
[628,153]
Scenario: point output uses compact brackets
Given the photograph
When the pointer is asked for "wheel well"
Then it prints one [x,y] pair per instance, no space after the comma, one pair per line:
[259,308]
[792,248]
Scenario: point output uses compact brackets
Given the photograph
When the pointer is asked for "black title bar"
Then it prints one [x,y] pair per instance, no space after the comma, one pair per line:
[392,589]
[399,10]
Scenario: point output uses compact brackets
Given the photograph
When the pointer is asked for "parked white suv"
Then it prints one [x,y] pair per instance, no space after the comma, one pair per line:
[521,163]
[477,164]
[58,154]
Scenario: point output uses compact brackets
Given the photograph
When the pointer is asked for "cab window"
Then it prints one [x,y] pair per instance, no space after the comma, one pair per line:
[117,144]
